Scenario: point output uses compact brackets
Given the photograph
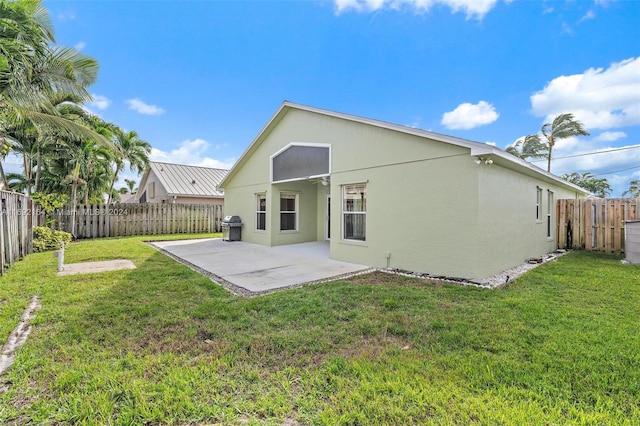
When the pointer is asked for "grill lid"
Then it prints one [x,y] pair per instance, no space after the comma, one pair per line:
[231,219]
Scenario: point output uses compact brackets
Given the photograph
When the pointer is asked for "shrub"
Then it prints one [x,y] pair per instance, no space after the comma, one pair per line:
[44,239]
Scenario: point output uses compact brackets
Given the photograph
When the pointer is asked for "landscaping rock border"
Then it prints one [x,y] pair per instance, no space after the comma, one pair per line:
[496,281]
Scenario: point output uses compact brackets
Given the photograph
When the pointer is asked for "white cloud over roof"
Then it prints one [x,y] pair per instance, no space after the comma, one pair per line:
[472,8]
[600,98]
[468,116]
[144,108]
[191,152]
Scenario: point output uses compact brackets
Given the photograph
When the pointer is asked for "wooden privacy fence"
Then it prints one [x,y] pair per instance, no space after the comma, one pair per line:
[16,228]
[595,224]
[118,220]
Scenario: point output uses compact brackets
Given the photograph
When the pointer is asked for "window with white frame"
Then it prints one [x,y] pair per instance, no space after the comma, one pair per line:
[539,204]
[261,212]
[354,212]
[288,212]
[550,205]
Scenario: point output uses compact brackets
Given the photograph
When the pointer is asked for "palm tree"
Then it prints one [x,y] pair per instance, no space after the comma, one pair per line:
[26,32]
[19,183]
[32,70]
[598,186]
[562,127]
[132,149]
[34,79]
[131,186]
[22,138]
[634,189]
[530,146]
[5,148]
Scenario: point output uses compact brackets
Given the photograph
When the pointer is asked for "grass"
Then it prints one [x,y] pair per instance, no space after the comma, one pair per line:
[162,344]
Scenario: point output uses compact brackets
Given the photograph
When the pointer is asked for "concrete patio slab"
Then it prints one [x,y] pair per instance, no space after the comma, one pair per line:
[255,269]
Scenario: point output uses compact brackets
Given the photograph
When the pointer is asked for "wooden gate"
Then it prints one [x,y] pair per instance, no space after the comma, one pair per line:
[595,224]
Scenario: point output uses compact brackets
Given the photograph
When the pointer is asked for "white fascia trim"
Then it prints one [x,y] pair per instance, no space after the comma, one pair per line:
[300,178]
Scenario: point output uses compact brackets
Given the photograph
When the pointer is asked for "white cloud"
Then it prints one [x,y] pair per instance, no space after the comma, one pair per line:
[191,152]
[600,98]
[601,160]
[67,15]
[610,136]
[100,102]
[80,45]
[144,108]
[588,16]
[468,116]
[566,28]
[472,8]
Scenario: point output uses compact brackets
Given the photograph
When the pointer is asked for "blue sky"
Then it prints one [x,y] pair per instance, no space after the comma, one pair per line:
[200,79]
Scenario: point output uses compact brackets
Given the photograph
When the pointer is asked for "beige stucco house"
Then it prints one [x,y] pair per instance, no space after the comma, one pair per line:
[391,196]
[180,184]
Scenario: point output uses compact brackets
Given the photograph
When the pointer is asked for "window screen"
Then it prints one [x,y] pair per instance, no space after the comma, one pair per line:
[300,161]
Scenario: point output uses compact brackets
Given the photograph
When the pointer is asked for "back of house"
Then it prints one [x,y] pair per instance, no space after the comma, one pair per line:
[391,196]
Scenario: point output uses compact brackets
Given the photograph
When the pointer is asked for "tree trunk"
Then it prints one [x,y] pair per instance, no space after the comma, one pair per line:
[113,183]
[550,142]
[549,161]
[39,164]
[74,190]
[26,163]
[4,178]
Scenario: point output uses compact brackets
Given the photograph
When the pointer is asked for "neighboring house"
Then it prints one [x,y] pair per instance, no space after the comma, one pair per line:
[180,184]
[391,196]
[127,198]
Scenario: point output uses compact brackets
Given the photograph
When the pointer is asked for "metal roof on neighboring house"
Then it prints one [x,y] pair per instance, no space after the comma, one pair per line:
[192,181]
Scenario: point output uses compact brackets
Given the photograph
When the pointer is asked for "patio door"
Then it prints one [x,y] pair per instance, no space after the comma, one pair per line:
[327,218]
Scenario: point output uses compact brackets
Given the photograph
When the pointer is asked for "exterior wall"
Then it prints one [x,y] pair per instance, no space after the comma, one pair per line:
[322,192]
[430,208]
[421,216]
[160,193]
[241,201]
[307,206]
[508,231]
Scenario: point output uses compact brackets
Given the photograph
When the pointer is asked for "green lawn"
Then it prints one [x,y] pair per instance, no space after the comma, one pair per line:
[164,345]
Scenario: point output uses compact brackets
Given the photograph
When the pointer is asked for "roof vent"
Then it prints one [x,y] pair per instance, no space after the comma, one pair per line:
[193,182]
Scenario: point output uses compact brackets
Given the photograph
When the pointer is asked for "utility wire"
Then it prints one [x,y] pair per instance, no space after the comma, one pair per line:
[618,171]
[589,153]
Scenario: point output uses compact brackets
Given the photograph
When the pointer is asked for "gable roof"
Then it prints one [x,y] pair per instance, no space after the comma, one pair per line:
[183,180]
[498,155]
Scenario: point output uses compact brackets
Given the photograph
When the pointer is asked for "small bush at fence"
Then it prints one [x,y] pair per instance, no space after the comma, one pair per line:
[44,239]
